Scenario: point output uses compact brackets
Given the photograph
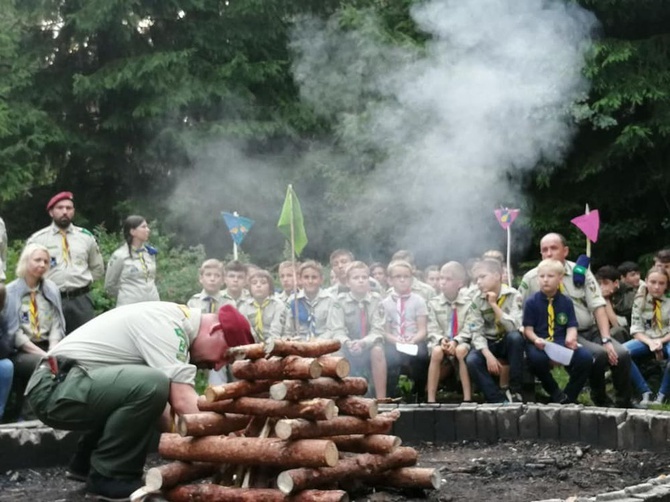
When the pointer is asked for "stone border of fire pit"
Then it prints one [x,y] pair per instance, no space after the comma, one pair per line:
[31,444]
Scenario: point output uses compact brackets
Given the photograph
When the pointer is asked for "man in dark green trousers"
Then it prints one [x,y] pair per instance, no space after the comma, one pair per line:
[113,377]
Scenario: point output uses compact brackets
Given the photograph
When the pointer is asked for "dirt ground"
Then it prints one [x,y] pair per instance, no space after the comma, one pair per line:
[501,472]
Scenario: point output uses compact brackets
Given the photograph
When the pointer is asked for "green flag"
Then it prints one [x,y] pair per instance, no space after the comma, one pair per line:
[291,214]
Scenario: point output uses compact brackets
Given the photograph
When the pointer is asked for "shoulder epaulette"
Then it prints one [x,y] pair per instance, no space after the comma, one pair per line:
[87,232]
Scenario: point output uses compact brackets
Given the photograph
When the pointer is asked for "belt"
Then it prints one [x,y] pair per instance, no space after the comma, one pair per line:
[73,293]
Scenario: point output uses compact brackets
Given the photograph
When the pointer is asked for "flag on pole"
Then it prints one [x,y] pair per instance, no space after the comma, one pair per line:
[506,216]
[291,216]
[589,224]
[238,226]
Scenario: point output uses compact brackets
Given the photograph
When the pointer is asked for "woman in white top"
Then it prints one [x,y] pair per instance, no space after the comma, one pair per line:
[131,273]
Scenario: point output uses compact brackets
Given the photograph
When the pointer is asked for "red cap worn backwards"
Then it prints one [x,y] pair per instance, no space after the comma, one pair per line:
[57,198]
[236,329]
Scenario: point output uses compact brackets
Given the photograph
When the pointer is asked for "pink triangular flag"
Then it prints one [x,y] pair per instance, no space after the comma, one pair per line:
[506,216]
[589,224]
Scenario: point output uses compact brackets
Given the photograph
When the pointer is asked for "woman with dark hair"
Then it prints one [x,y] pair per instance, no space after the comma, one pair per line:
[131,273]
[34,316]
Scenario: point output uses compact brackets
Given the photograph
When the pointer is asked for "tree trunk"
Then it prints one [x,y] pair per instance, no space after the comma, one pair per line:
[357,407]
[295,390]
[314,348]
[371,443]
[251,351]
[334,366]
[218,493]
[240,388]
[313,409]
[277,368]
[169,475]
[408,477]
[209,423]
[366,464]
[302,429]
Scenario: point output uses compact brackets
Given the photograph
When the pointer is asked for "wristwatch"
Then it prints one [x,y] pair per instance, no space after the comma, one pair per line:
[606,340]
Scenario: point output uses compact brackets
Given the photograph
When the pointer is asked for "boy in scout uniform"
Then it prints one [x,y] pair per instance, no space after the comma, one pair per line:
[210,277]
[494,322]
[446,315]
[288,277]
[113,377]
[75,260]
[264,312]
[235,279]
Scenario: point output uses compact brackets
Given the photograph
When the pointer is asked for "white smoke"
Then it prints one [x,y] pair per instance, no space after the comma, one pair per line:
[453,123]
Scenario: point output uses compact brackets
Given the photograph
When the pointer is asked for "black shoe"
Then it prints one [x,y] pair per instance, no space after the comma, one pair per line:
[99,487]
[560,397]
[78,468]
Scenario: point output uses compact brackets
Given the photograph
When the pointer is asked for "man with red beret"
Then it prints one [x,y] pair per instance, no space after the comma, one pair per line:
[75,260]
[115,376]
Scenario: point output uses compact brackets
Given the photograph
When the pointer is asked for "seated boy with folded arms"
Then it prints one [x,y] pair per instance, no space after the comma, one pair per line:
[493,321]
[265,313]
[359,324]
[549,316]
[446,313]
[619,298]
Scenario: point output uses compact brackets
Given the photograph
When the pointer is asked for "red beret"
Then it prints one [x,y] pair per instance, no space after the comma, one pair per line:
[236,329]
[57,198]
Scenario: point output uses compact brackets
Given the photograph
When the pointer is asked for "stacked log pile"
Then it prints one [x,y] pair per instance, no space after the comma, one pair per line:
[293,427]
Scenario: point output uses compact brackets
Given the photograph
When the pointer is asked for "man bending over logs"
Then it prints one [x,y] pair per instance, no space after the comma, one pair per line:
[113,377]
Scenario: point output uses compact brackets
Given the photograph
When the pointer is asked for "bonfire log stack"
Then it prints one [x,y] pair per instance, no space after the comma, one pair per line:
[291,428]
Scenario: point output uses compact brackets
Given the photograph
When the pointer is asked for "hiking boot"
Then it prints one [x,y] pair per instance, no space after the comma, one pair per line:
[560,397]
[79,467]
[645,401]
[99,487]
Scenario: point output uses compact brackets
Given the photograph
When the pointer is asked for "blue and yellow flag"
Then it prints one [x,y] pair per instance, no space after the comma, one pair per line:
[238,225]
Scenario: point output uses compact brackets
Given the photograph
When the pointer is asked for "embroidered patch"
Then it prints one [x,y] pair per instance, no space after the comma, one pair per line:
[562,318]
[183,343]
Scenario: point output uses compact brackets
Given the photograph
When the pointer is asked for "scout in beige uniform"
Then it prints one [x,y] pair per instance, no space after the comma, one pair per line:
[235,279]
[494,322]
[75,260]
[265,313]
[131,272]
[421,288]
[446,314]
[359,324]
[593,331]
[288,279]
[115,376]
[3,250]
[210,276]
[307,314]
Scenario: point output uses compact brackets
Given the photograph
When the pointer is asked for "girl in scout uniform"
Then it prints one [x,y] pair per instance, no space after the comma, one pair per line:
[34,316]
[131,273]
[650,329]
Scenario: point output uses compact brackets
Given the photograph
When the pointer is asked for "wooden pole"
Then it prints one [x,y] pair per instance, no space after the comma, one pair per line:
[408,477]
[241,388]
[588,241]
[251,351]
[357,406]
[277,368]
[218,493]
[169,475]
[314,348]
[301,428]
[370,443]
[313,409]
[249,451]
[209,423]
[334,366]
[295,390]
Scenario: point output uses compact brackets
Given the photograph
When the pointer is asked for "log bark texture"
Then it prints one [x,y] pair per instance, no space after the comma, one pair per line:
[314,348]
[169,475]
[218,493]
[251,351]
[360,443]
[277,368]
[241,388]
[365,464]
[408,477]
[303,429]
[295,390]
[249,451]
[357,407]
[313,409]
[209,423]
[334,366]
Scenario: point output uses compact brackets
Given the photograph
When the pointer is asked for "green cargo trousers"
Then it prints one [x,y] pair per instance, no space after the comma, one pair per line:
[117,408]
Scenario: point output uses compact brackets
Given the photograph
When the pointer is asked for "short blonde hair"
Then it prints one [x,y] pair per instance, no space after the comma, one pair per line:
[399,263]
[490,265]
[26,254]
[552,265]
[288,264]
[456,269]
[211,264]
[311,264]
[356,265]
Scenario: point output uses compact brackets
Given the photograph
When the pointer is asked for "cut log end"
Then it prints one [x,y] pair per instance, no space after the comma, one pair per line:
[285,483]
[331,454]
[315,369]
[283,429]
[210,395]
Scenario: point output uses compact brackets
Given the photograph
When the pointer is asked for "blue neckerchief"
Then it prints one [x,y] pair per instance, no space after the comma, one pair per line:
[305,316]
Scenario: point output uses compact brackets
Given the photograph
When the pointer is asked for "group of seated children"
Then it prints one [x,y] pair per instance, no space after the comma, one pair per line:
[469,324]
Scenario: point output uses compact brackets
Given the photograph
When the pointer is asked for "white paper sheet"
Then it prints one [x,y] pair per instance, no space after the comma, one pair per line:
[407,348]
[559,353]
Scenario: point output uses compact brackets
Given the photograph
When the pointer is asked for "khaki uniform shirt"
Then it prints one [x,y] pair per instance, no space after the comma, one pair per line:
[48,320]
[440,320]
[85,263]
[154,334]
[480,320]
[129,279]
[586,298]
[3,250]
[227,299]
[273,317]
[642,317]
[347,321]
[315,313]
[337,289]
[205,302]
[283,296]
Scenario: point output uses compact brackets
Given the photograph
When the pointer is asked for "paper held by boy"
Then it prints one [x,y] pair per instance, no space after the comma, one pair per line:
[558,353]
[410,349]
